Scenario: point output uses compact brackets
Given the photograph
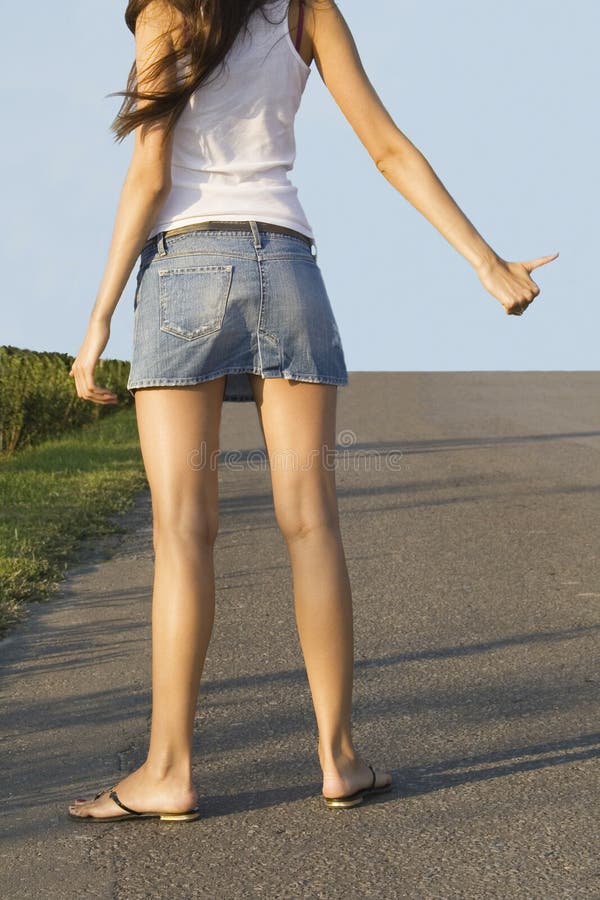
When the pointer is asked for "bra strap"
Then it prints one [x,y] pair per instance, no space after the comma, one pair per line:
[300,24]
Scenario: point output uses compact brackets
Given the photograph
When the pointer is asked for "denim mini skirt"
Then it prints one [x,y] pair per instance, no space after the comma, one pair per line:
[217,302]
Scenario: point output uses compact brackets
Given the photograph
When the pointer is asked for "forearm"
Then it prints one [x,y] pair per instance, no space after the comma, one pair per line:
[138,205]
[412,175]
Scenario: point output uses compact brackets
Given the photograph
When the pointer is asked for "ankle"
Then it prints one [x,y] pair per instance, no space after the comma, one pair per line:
[337,757]
[160,769]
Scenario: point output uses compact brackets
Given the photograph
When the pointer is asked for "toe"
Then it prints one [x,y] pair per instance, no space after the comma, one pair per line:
[383,779]
[75,809]
[82,805]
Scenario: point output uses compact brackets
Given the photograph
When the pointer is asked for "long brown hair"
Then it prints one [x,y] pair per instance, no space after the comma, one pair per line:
[209,29]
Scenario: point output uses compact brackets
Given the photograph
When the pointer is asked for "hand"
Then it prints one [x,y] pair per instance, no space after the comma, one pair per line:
[84,365]
[509,282]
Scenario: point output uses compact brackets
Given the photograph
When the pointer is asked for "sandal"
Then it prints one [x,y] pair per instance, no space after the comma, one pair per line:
[188,816]
[358,796]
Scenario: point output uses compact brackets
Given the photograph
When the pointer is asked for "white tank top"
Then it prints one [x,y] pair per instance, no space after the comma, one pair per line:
[234,143]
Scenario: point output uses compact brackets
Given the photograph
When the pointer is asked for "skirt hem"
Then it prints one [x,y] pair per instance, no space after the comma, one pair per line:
[200,379]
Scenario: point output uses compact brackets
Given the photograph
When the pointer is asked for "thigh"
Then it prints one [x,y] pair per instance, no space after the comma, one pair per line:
[179,439]
[298,424]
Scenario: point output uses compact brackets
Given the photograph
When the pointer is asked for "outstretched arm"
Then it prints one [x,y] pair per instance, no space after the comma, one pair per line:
[403,164]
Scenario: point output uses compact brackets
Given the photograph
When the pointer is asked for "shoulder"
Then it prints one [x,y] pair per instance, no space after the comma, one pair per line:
[324,19]
[316,8]
[158,14]
[161,21]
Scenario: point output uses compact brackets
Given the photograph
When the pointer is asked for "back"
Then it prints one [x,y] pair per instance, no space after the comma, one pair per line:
[234,144]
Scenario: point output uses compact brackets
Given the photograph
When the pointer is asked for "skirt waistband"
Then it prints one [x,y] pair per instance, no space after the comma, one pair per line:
[220,225]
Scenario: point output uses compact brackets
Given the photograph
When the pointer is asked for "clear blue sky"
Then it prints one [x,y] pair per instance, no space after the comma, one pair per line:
[500,97]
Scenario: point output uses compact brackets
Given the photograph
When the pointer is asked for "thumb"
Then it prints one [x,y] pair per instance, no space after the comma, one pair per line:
[540,261]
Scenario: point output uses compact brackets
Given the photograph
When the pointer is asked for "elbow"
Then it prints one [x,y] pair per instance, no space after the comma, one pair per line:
[399,153]
[385,161]
[163,189]
[151,182]
[156,187]
[381,163]
[389,158]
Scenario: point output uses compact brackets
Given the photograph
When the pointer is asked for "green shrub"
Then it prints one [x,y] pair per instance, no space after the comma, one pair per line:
[38,399]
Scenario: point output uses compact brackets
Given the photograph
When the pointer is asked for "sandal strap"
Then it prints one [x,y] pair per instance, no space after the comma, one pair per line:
[113,796]
[374,777]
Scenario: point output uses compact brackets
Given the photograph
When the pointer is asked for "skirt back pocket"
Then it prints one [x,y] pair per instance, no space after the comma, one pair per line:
[193,299]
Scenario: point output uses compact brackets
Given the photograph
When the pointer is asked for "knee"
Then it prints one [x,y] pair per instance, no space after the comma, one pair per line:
[198,529]
[296,525]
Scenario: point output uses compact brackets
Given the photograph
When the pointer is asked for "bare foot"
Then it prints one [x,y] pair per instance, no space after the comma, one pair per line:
[143,792]
[350,774]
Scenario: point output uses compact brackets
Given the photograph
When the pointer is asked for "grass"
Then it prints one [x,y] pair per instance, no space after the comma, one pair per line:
[56,493]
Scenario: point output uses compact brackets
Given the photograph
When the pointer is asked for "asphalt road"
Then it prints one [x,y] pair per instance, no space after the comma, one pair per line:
[469,507]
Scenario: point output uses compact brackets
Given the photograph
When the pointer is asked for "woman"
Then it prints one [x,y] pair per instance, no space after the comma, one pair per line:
[230,305]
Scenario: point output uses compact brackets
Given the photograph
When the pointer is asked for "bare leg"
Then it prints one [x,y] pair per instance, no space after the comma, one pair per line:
[298,423]
[174,424]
